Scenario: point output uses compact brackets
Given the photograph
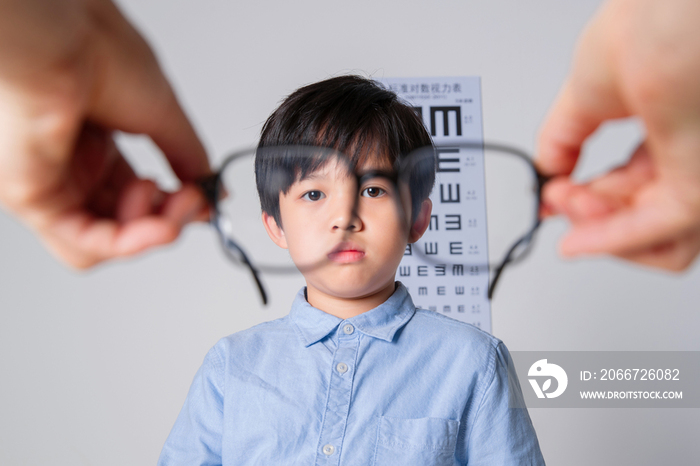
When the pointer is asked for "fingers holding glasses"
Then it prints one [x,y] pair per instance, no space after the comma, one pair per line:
[631,212]
[83,239]
[100,209]
[81,73]
[601,196]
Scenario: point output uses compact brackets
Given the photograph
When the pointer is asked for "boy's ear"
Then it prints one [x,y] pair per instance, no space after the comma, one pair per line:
[275,233]
[422,221]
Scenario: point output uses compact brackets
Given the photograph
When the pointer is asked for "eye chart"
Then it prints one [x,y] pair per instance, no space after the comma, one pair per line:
[446,270]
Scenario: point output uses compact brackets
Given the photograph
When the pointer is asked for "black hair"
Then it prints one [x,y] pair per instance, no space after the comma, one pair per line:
[350,114]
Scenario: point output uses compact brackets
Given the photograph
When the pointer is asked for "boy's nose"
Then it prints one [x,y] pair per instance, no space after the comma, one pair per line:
[346,217]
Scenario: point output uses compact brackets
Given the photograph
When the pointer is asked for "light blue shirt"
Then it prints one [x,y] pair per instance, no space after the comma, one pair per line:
[392,386]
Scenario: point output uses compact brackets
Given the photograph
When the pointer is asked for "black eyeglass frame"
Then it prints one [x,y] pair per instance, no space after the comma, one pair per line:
[213,190]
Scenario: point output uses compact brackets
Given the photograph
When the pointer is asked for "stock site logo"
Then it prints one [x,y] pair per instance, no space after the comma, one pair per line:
[543,369]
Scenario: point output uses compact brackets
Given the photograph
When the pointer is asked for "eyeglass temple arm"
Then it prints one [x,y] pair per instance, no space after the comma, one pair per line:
[527,237]
[230,244]
[210,187]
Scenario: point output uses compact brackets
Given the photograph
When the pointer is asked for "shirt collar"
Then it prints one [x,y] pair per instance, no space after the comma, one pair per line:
[382,322]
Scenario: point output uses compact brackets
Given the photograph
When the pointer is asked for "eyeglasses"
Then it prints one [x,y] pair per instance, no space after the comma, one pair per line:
[457,234]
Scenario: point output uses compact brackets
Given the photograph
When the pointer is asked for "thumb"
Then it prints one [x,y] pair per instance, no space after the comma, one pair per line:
[133,95]
[589,97]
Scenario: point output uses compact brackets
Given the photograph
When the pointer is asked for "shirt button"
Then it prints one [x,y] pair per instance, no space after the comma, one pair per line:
[328,450]
[342,367]
[348,329]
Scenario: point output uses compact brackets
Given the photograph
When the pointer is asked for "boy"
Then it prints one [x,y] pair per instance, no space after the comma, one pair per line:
[355,374]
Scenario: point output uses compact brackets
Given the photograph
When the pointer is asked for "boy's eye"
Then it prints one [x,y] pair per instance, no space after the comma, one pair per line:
[373,191]
[313,196]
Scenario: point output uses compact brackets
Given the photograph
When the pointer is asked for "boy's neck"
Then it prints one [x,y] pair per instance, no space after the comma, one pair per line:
[345,308]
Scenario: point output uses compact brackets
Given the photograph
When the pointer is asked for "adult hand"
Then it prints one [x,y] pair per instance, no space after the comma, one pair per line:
[636,58]
[71,72]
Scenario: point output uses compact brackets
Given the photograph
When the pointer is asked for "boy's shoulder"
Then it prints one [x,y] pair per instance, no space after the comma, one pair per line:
[257,337]
[460,345]
[451,330]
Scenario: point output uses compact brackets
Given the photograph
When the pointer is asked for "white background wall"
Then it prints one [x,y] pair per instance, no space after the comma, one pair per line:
[94,366]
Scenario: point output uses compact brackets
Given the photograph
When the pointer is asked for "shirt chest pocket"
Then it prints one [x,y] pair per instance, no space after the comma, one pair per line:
[420,442]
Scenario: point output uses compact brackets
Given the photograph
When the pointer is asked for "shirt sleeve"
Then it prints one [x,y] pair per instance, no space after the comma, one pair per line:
[196,436]
[502,432]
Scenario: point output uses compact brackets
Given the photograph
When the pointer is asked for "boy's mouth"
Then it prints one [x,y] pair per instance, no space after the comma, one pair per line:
[346,252]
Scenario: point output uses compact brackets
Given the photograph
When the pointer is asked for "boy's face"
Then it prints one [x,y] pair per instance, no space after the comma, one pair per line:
[347,240]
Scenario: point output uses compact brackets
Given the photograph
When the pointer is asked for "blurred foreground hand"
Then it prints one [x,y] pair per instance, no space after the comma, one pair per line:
[71,72]
[636,58]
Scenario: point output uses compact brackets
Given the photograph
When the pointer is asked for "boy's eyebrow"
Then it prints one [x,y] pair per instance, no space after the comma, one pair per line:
[361,175]
[311,176]
[369,174]
[317,174]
